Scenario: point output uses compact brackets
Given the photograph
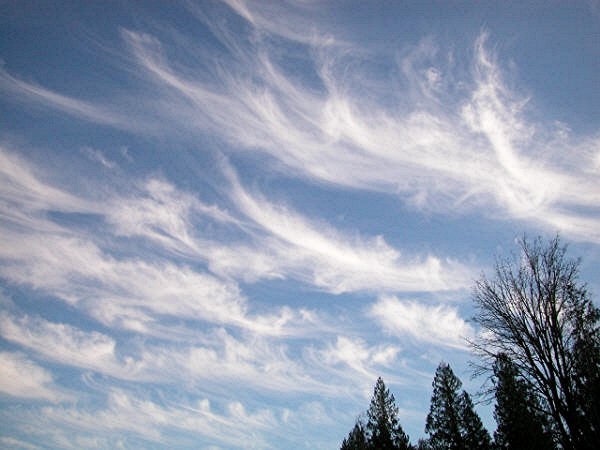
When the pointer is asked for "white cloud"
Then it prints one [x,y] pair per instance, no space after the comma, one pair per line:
[338,262]
[115,290]
[97,156]
[439,325]
[270,18]
[21,377]
[23,192]
[65,344]
[232,424]
[357,355]
[214,358]
[160,212]
[127,292]
[21,91]
[480,151]
[10,442]
[277,242]
[148,420]
[255,361]
[439,147]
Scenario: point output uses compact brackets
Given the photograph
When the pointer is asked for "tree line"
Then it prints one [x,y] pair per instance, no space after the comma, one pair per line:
[538,346]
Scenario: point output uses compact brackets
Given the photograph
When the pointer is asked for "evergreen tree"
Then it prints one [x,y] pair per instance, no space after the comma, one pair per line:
[586,377]
[423,444]
[452,423]
[443,424]
[474,435]
[537,312]
[383,427]
[357,439]
[522,425]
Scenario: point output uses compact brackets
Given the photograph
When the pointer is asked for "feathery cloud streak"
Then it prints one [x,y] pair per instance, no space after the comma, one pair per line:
[485,149]
[288,245]
[246,211]
[21,377]
[135,295]
[127,415]
[440,325]
[482,151]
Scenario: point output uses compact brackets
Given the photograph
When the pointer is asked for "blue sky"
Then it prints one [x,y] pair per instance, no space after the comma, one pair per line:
[221,221]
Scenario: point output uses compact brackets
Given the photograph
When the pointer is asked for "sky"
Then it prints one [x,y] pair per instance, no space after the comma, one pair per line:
[221,221]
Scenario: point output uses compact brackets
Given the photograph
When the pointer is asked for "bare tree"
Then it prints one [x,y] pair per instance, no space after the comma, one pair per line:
[535,310]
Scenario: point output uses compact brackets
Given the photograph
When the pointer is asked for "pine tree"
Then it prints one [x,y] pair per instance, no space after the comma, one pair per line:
[474,435]
[357,439]
[383,427]
[382,430]
[521,423]
[452,423]
[422,444]
[586,376]
[443,424]
[537,311]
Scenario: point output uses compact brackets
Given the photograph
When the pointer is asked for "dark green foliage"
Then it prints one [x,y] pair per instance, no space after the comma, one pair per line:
[357,439]
[382,430]
[452,423]
[474,435]
[586,378]
[443,424]
[537,312]
[423,444]
[383,427]
[521,424]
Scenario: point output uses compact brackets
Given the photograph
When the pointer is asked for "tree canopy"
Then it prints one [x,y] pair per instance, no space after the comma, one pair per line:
[357,439]
[537,313]
[383,427]
[521,423]
[382,430]
[452,423]
[539,342]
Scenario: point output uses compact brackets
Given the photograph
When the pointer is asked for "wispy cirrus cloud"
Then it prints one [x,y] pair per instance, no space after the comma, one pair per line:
[23,192]
[360,357]
[167,299]
[23,378]
[131,418]
[479,148]
[66,345]
[20,90]
[438,147]
[128,292]
[279,241]
[208,360]
[99,157]
[272,19]
[440,325]
[157,211]
[11,442]
[534,180]
[180,290]
[341,263]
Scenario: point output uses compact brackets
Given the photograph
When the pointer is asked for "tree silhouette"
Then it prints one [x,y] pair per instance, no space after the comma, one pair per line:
[382,430]
[537,312]
[443,424]
[474,435]
[521,424]
[357,439]
[452,423]
[383,427]
[586,376]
